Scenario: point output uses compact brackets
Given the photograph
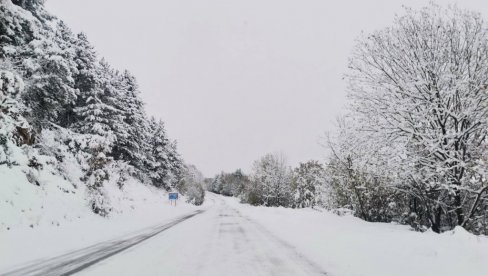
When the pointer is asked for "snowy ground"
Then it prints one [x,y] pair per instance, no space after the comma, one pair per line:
[139,207]
[236,239]
[74,261]
[350,246]
[220,241]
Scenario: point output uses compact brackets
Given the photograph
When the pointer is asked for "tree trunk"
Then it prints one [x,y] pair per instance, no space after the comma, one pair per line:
[436,222]
[459,208]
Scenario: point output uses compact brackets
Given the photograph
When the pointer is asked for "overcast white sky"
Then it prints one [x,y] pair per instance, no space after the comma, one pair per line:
[235,79]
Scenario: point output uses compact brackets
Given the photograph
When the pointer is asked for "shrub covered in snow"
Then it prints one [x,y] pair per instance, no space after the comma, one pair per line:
[191,185]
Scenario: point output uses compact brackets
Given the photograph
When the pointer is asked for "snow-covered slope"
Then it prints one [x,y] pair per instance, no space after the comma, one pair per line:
[53,194]
[74,136]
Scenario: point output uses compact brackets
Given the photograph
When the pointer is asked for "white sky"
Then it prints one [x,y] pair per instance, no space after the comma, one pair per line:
[235,79]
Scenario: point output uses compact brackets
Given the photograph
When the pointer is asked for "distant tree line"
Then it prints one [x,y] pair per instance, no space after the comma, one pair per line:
[273,183]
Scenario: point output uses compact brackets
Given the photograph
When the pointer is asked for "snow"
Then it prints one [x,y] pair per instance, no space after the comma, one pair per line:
[217,242]
[349,246]
[61,220]
[231,238]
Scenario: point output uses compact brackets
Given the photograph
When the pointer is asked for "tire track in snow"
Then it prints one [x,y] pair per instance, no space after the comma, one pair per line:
[78,260]
[313,267]
[269,254]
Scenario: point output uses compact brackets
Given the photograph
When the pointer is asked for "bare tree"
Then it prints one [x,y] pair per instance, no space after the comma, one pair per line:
[420,88]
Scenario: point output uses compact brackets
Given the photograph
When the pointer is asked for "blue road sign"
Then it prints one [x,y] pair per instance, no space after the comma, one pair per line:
[173,196]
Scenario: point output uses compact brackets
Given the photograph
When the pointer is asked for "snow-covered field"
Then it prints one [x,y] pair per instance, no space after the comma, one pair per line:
[230,238]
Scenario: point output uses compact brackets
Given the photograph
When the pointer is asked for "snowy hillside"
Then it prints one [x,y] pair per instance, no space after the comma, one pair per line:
[75,140]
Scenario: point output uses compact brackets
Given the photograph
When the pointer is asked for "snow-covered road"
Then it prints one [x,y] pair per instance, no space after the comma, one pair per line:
[219,241]
[230,238]
[78,260]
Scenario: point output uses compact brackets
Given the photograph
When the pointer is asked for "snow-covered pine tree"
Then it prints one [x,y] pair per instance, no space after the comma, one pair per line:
[231,184]
[176,164]
[227,184]
[115,113]
[50,85]
[97,118]
[94,115]
[308,182]
[97,174]
[31,5]
[41,57]
[159,167]
[130,142]
[216,184]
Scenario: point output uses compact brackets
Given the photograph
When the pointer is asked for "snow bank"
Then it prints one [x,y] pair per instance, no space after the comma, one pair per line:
[139,206]
[49,200]
[349,246]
